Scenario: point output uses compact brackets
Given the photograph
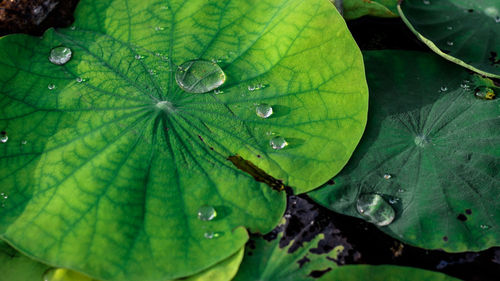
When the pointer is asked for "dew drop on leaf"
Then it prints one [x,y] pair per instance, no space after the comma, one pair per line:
[206,213]
[60,55]
[387,176]
[199,76]
[375,209]
[79,79]
[484,93]
[278,142]
[51,86]
[450,43]
[426,2]
[210,235]
[23,142]
[4,138]
[264,110]
[444,89]
[421,141]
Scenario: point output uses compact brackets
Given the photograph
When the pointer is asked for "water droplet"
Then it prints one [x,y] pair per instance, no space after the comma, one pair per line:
[421,141]
[206,213]
[79,79]
[62,274]
[387,176]
[60,55]
[51,86]
[23,142]
[450,43]
[393,201]
[401,190]
[485,226]
[138,57]
[449,27]
[426,2]
[199,76]
[163,8]
[152,72]
[159,28]
[4,195]
[72,27]
[484,93]
[278,142]
[256,87]
[264,110]
[497,19]
[4,138]
[375,209]
[444,89]
[210,234]
[217,91]
[491,12]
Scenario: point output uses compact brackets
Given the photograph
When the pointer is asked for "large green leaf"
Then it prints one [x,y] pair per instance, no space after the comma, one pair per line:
[273,261]
[466,32]
[430,149]
[16,267]
[108,161]
[354,9]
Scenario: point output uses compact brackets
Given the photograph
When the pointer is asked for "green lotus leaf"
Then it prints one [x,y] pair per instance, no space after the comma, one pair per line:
[107,162]
[430,152]
[354,9]
[17,267]
[269,260]
[465,32]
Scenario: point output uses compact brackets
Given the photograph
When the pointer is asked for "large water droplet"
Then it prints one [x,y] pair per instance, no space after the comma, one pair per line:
[206,213]
[375,209]
[278,142]
[199,76]
[264,110]
[62,274]
[484,93]
[60,55]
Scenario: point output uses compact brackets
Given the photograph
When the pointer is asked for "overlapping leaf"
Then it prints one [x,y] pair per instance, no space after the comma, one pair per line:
[466,32]
[106,161]
[430,149]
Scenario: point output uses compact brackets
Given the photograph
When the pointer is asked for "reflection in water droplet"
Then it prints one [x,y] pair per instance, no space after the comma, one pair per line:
[62,274]
[375,209]
[199,76]
[210,234]
[278,142]
[206,213]
[421,141]
[484,93]
[51,86]
[387,176]
[60,55]
[264,110]
[485,226]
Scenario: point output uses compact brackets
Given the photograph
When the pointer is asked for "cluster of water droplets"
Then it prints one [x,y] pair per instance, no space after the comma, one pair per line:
[202,76]
[207,213]
[3,199]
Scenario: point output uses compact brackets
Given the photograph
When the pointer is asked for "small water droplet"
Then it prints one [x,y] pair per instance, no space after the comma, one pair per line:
[375,209]
[393,201]
[51,86]
[79,79]
[138,57]
[387,176]
[210,235]
[4,195]
[444,89]
[426,2]
[484,93]
[251,87]
[60,55]
[206,213]
[278,142]
[72,27]
[264,110]
[163,8]
[199,76]
[450,43]
[497,19]
[4,138]
[159,28]
[401,190]
[449,27]
[23,142]
[217,91]
[485,226]
[152,72]
[256,87]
